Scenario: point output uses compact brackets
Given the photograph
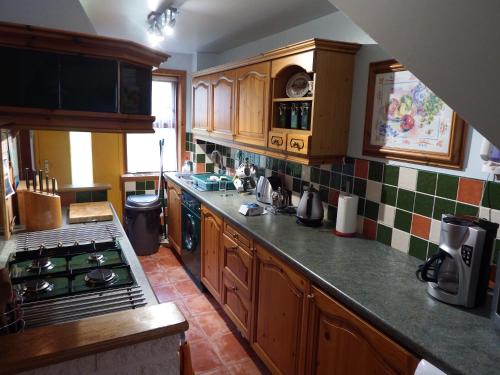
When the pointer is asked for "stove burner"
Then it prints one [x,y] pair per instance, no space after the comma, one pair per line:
[96,257]
[37,286]
[41,264]
[100,276]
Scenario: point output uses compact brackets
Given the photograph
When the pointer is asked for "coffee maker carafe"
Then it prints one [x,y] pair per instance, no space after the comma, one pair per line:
[458,273]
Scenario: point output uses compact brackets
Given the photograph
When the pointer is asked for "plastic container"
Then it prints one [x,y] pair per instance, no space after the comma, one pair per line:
[142,220]
[202,181]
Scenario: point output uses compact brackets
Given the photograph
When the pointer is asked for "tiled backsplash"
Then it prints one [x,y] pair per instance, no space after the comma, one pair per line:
[398,206]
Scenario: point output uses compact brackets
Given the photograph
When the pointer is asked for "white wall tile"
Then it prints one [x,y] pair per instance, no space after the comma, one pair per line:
[359,226]
[386,214]
[435,231]
[306,173]
[129,186]
[400,240]
[407,178]
[373,191]
[288,182]
[326,167]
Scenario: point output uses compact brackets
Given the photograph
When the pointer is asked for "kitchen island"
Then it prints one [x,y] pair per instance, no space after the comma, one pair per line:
[145,339]
[374,281]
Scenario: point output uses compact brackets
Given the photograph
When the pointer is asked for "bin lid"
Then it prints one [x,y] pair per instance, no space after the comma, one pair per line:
[143,202]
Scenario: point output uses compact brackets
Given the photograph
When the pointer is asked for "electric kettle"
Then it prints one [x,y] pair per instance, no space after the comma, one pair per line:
[310,210]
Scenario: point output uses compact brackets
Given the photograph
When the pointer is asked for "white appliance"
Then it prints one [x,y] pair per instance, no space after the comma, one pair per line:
[426,368]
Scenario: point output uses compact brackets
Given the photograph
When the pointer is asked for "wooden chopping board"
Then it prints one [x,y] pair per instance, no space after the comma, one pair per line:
[88,212]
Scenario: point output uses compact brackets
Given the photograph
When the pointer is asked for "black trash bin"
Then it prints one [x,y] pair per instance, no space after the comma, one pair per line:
[142,219]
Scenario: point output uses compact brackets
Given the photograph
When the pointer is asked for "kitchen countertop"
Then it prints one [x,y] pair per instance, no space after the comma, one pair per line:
[375,281]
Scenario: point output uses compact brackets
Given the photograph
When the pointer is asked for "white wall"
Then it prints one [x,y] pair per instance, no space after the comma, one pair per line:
[57,14]
[453,46]
[337,26]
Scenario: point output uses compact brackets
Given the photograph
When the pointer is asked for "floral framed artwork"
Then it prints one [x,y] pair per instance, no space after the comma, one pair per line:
[406,121]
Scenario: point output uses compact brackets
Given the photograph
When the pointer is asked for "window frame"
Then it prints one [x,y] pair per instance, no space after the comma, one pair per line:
[180,130]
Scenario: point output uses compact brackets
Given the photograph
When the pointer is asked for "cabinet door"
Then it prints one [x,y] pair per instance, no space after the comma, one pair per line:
[222,121]
[252,104]
[236,303]
[280,306]
[201,104]
[339,342]
[211,233]
[237,262]
[174,216]
[135,89]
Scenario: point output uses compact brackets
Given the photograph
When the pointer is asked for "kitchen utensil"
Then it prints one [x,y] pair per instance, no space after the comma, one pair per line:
[298,85]
[47,184]
[265,188]
[89,212]
[223,185]
[34,180]
[281,198]
[458,273]
[53,186]
[310,210]
[246,173]
[41,211]
[40,180]
[347,215]
[27,178]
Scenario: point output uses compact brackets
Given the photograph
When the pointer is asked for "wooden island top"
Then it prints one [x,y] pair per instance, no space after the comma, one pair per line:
[51,344]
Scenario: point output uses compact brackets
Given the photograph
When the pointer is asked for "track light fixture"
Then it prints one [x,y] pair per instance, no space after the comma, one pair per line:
[161,23]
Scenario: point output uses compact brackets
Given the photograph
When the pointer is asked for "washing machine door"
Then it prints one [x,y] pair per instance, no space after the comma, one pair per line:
[191,232]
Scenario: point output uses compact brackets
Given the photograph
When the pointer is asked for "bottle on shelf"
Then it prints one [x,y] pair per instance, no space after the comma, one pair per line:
[284,115]
[294,116]
[304,117]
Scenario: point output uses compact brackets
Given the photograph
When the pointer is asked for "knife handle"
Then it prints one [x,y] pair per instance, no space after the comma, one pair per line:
[47,184]
[34,180]
[27,178]
[40,180]
[53,186]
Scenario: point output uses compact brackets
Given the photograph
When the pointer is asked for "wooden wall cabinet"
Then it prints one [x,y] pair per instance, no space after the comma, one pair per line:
[258,95]
[339,342]
[201,105]
[280,314]
[174,220]
[211,235]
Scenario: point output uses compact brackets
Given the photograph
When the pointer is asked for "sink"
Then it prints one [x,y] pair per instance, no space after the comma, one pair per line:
[186,177]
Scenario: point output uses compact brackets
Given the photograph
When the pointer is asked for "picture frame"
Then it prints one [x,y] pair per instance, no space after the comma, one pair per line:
[406,121]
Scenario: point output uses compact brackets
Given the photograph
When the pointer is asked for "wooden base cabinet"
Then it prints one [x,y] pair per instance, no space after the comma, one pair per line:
[280,307]
[211,234]
[339,342]
[174,197]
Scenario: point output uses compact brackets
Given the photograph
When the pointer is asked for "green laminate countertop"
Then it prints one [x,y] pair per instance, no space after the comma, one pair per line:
[375,281]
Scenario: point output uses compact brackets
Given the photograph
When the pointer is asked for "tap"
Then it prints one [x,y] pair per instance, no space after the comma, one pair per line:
[217,158]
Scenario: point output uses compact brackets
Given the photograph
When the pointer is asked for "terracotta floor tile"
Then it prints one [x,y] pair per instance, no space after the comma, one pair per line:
[218,371]
[177,274]
[245,367]
[150,266]
[199,305]
[213,324]
[187,288]
[204,357]
[182,306]
[166,293]
[229,348]
[194,333]
[158,278]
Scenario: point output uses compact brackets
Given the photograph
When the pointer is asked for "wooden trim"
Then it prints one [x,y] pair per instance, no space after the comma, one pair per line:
[59,119]
[61,41]
[52,344]
[307,45]
[453,159]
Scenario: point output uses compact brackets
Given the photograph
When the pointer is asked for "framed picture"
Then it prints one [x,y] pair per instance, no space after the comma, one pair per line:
[406,121]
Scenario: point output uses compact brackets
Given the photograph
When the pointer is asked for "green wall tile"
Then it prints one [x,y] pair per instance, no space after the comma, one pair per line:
[389,194]
[314,175]
[443,206]
[324,177]
[406,199]
[447,186]
[140,192]
[391,175]
[424,204]
[375,171]
[371,210]
[359,187]
[402,220]
[200,158]
[426,182]
[433,249]
[466,209]
[187,146]
[361,206]
[491,196]
[335,180]
[150,185]
[384,234]
[418,248]
[99,196]
[140,185]
[209,167]
[83,196]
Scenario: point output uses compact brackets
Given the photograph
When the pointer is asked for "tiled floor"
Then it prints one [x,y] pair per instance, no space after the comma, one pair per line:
[216,345]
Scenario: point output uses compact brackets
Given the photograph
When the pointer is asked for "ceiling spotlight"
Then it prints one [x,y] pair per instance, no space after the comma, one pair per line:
[160,24]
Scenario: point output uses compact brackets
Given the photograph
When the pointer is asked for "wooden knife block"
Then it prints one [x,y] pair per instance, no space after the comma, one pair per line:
[39,210]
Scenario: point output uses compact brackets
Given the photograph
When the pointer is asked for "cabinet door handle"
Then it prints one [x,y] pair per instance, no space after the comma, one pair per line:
[233,248]
[234,288]
[277,141]
[310,296]
[297,143]
[235,236]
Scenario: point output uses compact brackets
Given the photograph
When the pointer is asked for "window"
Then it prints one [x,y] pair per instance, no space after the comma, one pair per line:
[143,150]
[80,144]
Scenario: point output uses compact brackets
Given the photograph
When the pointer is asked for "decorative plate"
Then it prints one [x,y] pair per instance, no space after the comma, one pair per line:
[298,85]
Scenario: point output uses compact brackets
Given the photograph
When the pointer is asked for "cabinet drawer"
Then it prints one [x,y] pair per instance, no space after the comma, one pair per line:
[298,143]
[236,303]
[237,261]
[237,236]
[277,140]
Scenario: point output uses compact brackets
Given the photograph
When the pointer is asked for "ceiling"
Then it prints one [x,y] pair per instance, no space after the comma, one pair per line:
[204,25]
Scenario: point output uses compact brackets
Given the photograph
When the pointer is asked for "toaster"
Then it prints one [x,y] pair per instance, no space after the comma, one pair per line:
[265,188]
